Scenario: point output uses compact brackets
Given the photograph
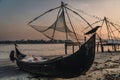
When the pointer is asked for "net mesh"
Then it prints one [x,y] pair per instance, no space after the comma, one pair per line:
[61,24]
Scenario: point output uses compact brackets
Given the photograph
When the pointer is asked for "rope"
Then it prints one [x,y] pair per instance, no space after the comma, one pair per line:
[83,12]
[43,14]
[91,24]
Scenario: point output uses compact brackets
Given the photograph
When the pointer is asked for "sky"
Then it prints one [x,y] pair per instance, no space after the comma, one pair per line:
[15,14]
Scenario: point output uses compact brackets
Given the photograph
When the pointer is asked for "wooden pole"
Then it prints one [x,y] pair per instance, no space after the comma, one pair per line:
[73,48]
[115,48]
[65,48]
[97,46]
[102,48]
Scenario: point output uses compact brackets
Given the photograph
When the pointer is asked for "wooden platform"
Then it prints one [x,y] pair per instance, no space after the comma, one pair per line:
[72,44]
[115,46]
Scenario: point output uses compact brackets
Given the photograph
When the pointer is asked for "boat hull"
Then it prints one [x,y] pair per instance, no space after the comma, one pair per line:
[71,66]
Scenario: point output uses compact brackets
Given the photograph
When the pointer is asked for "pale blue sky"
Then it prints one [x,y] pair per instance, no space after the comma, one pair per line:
[14,14]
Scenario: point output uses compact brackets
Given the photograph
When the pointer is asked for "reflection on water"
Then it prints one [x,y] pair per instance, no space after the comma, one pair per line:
[37,49]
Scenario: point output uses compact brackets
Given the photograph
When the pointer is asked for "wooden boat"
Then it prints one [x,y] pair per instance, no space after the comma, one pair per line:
[63,67]
[69,66]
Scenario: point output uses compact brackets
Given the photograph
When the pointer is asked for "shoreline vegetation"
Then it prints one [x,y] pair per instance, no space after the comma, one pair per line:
[33,42]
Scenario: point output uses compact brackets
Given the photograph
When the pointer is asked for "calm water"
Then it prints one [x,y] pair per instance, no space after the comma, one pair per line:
[35,49]
[38,49]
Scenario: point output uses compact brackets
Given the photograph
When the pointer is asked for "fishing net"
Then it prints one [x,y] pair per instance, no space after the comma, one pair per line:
[61,24]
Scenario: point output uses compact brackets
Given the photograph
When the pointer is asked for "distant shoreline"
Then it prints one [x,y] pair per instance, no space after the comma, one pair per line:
[33,42]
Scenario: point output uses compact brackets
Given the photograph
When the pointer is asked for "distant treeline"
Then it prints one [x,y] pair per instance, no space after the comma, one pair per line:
[32,41]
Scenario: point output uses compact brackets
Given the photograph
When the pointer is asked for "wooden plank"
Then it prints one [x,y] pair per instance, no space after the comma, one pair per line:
[72,43]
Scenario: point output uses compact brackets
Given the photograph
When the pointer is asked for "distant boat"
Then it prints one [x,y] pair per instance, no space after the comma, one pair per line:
[68,66]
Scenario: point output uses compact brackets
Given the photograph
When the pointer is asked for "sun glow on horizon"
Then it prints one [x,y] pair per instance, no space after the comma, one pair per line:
[14,17]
